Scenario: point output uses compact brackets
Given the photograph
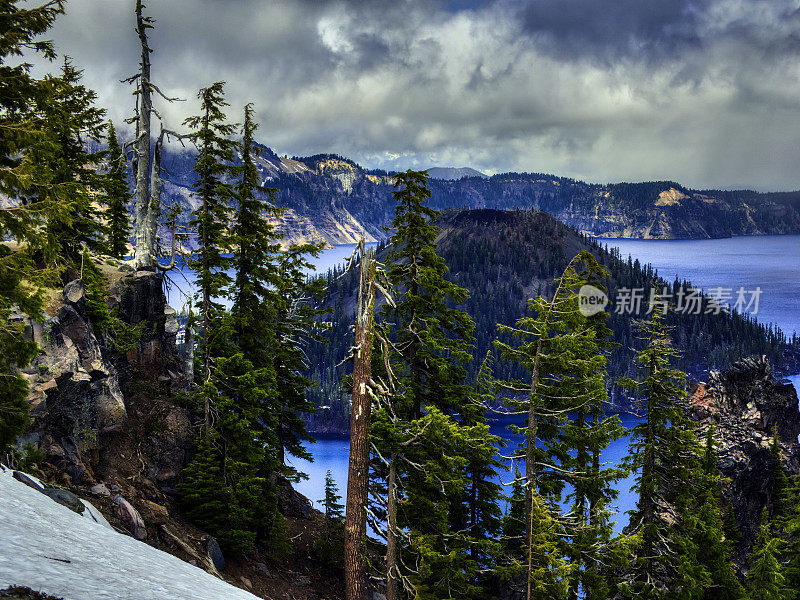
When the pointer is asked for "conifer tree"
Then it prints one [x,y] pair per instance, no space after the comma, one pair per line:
[664,451]
[790,546]
[296,326]
[330,546]
[117,197]
[513,540]
[780,484]
[434,419]
[72,121]
[562,348]
[765,579]
[713,550]
[215,151]
[26,180]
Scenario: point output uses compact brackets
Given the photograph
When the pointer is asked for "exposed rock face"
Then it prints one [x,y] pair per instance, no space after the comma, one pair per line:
[103,415]
[75,392]
[329,198]
[141,302]
[745,404]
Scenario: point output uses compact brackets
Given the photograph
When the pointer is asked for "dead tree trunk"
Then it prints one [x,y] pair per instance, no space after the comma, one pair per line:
[144,228]
[356,582]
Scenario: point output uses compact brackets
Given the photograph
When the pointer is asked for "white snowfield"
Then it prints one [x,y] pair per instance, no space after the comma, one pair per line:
[49,548]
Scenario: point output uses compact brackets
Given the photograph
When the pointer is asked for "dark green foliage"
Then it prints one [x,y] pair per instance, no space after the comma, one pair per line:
[513,543]
[566,429]
[296,324]
[203,491]
[765,579]
[505,258]
[329,547]
[215,151]
[790,547]
[664,450]
[434,423]
[252,356]
[713,549]
[117,197]
[780,484]
[26,179]
[72,121]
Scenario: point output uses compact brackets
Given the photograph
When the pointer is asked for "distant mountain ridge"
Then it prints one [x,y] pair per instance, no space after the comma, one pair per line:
[330,198]
[454,173]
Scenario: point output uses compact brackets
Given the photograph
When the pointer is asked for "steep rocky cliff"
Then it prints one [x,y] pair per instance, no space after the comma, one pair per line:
[330,198]
[110,434]
[746,404]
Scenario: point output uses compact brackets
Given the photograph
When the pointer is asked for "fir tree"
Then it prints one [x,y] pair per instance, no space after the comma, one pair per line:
[765,579]
[117,197]
[562,348]
[72,122]
[790,547]
[215,151]
[329,547]
[514,521]
[334,510]
[434,425]
[203,491]
[664,450]
[713,550]
[780,484]
[26,178]
[296,327]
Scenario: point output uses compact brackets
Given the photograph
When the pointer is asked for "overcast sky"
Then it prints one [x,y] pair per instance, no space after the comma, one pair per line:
[705,92]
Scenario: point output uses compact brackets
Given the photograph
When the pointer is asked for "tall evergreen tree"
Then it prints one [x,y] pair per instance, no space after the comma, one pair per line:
[765,579]
[790,546]
[664,451]
[780,484]
[215,152]
[565,432]
[73,121]
[434,419]
[117,197]
[713,550]
[26,179]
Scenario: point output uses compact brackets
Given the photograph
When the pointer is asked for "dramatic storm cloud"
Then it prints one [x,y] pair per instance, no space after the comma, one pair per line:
[705,92]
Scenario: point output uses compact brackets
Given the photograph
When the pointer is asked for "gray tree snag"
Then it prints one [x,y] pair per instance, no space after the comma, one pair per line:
[145,224]
[355,528]
[146,168]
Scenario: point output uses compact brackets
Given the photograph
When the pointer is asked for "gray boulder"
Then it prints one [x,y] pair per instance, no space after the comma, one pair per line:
[130,517]
[215,554]
[65,498]
[28,480]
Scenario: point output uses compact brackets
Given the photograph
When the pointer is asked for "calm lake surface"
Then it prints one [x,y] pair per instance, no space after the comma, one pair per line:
[769,262]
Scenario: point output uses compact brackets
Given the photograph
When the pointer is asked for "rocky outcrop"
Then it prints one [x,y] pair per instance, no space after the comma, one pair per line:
[75,392]
[139,298]
[745,404]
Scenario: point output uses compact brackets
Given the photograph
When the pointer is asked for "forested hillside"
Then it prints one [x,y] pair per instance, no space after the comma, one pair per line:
[505,258]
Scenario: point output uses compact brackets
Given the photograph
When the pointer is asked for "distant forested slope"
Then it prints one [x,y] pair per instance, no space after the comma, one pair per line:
[506,257]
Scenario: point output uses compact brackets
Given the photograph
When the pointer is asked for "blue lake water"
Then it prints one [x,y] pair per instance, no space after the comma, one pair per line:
[769,262]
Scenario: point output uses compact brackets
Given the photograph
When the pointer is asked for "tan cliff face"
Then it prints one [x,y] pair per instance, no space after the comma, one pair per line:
[331,199]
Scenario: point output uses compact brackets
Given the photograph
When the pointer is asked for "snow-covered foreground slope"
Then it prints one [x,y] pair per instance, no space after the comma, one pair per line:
[49,548]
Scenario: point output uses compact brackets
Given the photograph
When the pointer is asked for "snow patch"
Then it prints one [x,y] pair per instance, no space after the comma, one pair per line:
[49,548]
